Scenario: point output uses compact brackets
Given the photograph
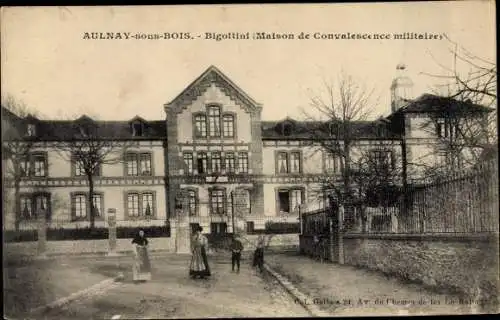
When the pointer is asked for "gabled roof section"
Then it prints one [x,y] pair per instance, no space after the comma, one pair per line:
[200,84]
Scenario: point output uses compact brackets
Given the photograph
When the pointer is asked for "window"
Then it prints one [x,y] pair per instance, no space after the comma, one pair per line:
[39,161]
[34,165]
[97,203]
[145,164]
[214,121]
[33,204]
[332,163]
[30,131]
[27,208]
[200,122]
[294,162]
[217,197]
[188,160]
[445,128]
[131,163]
[147,204]
[138,164]
[80,209]
[201,163]
[228,126]
[288,162]
[243,162]
[218,227]
[440,127]
[287,129]
[192,202]
[382,159]
[229,162]
[283,162]
[137,129]
[80,206]
[133,205]
[25,167]
[216,162]
[289,200]
[140,204]
[79,170]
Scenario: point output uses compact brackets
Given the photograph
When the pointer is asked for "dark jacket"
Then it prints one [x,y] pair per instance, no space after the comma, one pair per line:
[236,246]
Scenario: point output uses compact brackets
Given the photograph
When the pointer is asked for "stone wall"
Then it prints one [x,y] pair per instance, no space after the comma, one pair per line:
[21,249]
[464,265]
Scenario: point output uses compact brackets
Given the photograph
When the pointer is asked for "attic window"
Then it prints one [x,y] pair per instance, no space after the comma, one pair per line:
[137,129]
[31,130]
[287,129]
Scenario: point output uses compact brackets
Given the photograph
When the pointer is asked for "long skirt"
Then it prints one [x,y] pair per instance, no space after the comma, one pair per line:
[199,263]
[142,266]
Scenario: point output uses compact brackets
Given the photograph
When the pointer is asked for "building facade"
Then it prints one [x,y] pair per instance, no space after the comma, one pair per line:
[213,159]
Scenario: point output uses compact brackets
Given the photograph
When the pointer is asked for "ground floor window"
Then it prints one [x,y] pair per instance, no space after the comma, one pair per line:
[289,199]
[80,209]
[140,204]
[217,198]
[34,203]
[218,227]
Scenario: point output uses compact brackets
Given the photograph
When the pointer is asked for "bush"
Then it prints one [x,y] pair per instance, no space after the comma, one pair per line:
[282,227]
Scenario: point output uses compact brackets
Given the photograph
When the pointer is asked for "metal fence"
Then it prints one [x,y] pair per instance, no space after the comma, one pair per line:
[463,203]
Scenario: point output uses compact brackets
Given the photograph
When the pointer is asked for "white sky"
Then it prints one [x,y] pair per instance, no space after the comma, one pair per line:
[47,64]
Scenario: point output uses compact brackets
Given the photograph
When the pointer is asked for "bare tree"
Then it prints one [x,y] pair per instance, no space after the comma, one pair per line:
[466,123]
[90,145]
[342,107]
[376,176]
[17,143]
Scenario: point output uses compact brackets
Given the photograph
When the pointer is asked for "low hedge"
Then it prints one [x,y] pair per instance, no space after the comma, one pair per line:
[85,233]
[282,227]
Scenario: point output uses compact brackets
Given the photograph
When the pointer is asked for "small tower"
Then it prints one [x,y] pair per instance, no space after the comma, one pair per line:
[401,89]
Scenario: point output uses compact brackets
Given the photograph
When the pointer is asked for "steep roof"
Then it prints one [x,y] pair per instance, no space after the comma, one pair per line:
[200,84]
[57,130]
[430,103]
[310,130]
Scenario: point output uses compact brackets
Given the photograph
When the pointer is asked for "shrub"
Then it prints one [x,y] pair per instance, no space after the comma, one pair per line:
[282,227]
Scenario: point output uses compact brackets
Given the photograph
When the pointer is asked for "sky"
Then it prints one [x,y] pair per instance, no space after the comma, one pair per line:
[47,64]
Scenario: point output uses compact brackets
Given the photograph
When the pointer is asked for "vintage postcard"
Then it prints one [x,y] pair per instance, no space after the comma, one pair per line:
[291,160]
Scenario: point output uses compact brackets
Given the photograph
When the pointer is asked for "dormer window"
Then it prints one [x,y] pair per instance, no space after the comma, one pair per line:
[137,129]
[31,130]
[287,129]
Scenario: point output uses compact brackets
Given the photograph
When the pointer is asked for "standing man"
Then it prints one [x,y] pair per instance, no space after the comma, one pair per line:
[236,248]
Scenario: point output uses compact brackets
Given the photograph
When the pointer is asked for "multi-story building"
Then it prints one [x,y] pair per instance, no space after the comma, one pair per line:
[212,144]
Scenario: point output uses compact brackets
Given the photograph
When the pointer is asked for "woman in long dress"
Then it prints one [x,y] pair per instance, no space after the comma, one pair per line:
[199,267]
[258,256]
[142,266]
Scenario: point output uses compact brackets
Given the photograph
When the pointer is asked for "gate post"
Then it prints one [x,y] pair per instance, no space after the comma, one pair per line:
[42,235]
[112,231]
[340,234]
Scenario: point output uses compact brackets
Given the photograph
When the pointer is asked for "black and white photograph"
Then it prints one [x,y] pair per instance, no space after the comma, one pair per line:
[251,160]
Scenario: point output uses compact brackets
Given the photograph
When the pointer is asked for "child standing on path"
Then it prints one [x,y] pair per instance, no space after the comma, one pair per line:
[236,248]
